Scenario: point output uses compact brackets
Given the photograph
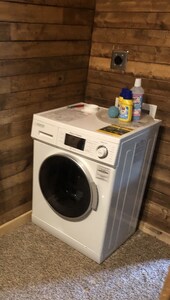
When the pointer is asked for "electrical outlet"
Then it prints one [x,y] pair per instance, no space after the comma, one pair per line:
[119,60]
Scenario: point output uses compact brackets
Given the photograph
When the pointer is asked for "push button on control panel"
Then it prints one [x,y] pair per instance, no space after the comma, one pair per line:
[102,151]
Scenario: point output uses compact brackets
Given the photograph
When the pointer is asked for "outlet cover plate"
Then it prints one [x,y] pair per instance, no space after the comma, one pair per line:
[119,60]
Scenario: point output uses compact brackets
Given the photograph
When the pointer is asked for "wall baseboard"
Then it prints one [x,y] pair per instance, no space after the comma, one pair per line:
[15,223]
[151,230]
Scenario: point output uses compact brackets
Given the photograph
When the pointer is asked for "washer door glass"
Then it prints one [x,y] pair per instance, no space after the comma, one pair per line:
[66,187]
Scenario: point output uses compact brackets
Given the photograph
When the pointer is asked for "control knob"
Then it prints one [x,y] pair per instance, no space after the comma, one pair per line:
[102,152]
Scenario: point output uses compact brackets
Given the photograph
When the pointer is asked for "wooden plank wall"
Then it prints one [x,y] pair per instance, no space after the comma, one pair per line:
[143,29]
[44,54]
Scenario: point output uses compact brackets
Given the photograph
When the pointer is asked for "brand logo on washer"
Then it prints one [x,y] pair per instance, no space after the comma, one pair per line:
[40,124]
[102,173]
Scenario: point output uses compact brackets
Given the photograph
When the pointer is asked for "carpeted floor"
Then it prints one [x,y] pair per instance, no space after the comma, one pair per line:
[35,265]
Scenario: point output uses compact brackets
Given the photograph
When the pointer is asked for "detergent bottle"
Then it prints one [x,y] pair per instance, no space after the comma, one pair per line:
[137,95]
[125,105]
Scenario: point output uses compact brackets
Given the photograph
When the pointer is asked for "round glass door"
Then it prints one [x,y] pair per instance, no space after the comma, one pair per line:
[65,186]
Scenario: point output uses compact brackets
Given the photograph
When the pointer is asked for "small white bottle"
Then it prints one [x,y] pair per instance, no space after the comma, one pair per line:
[137,96]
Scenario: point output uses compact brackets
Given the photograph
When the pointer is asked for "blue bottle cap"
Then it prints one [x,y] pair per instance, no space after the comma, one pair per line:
[126,93]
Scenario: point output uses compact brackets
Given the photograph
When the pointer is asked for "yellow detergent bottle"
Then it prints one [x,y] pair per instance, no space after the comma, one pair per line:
[125,105]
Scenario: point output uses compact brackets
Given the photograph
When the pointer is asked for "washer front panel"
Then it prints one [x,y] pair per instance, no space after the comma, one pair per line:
[87,231]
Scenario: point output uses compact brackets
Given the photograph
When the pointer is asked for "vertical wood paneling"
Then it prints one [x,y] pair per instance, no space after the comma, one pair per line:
[44,54]
[143,29]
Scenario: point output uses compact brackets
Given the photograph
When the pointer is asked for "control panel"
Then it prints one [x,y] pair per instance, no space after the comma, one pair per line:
[87,145]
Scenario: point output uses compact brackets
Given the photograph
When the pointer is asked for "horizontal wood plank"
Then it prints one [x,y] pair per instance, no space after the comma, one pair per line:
[8,227]
[15,149]
[157,197]
[48,99]
[17,50]
[156,232]
[160,180]
[15,129]
[63,3]
[152,87]
[138,69]
[19,178]
[21,195]
[78,16]
[135,6]
[162,161]
[35,81]
[42,32]
[16,211]
[164,134]
[162,150]
[19,12]
[132,36]
[22,99]
[18,166]
[40,65]
[144,20]
[139,53]
[157,216]
[4,32]
[109,93]
[110,78]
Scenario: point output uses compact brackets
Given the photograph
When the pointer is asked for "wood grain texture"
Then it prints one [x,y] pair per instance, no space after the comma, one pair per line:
[44,54]
[17,50]
[144,20]
[132,36]
[156,232]
[63,3]
[47,32]
[157,216]
[136,53]
[135,6]
[13,224]
[40,65]
[143,29]
[18,12]
[19,83]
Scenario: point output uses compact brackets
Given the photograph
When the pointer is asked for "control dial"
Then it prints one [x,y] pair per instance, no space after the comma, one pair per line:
[102,152]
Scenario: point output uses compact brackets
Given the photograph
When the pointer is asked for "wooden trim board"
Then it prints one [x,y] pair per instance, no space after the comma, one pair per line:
[15,223]
[151,230]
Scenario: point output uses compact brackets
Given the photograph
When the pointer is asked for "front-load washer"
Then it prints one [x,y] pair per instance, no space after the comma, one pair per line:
[89,177]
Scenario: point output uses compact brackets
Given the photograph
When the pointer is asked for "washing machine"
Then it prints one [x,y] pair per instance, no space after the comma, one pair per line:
[89,176]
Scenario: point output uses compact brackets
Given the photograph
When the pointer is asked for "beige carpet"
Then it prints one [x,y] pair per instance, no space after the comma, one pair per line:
[35,265]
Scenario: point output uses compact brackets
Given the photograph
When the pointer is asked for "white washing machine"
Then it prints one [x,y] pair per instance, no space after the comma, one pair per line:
[89,176]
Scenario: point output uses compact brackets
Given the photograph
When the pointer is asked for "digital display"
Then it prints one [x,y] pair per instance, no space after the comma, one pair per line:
[74,141]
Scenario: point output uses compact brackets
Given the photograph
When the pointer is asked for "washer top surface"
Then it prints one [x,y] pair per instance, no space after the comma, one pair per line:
[81,115]
[86,131]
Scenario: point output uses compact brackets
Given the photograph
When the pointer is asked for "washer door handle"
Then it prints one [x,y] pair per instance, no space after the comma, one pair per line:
[94,196]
